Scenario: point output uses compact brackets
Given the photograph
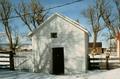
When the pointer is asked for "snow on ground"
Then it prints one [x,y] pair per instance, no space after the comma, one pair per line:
[97,74]
[112,74]
[28,75]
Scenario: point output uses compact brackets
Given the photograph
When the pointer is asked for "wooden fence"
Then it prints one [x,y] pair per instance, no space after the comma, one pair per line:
[7,60]
[103,63]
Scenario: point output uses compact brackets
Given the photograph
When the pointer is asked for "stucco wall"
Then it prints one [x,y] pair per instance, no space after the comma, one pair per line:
[74,41]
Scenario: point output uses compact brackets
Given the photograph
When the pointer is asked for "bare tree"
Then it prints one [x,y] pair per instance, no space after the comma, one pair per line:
[5,13]
[117,3]
[105,10]
[111,19]
[93,16]
[31,13]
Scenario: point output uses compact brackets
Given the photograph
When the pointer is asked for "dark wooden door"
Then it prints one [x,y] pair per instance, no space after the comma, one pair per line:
[58,60]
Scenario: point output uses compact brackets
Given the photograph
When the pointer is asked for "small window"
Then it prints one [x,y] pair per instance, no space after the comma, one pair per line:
[53,35]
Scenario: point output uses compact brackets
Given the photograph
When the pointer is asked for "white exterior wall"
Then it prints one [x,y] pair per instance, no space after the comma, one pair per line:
[73,39]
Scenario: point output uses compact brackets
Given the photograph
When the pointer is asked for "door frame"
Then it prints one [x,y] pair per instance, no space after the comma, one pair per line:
[62,59]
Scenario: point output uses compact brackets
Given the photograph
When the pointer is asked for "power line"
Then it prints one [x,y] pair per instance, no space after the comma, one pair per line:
[46,9]
[63,5]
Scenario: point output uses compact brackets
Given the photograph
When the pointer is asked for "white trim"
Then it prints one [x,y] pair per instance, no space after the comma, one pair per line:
[72,22]
[35,30]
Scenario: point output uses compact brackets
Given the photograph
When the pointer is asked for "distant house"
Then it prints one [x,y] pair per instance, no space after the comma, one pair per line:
[118,44]
[63,44]
[99,49]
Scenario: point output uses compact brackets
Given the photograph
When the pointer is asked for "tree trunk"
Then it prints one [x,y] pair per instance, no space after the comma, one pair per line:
[94,42]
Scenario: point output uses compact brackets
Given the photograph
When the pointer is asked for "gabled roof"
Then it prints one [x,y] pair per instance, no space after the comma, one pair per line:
[76,24]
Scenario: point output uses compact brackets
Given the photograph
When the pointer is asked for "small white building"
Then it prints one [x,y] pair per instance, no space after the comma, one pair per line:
[60,46]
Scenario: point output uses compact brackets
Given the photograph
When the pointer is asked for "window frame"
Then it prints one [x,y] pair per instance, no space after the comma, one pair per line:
[53,35]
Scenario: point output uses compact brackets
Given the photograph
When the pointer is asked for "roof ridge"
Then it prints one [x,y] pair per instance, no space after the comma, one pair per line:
[63,17]
[73,21]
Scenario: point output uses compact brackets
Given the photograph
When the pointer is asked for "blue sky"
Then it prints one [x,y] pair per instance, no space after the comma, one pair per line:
[72,11]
